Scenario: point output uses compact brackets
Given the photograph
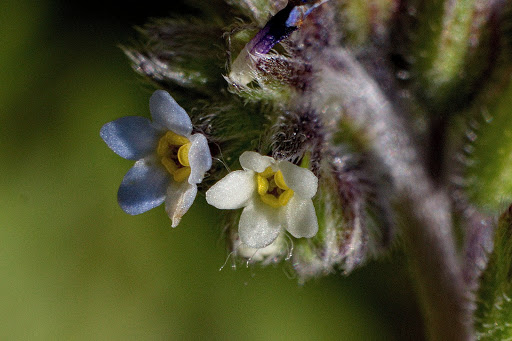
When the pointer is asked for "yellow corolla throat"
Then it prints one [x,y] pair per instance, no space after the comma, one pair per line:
[272,189]
[173,152]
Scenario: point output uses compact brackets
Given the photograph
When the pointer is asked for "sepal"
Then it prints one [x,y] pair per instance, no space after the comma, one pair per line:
[493,315]
[488,176]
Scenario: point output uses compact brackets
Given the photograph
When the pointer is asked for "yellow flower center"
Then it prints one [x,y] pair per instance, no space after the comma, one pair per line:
[272,189]
[173,152]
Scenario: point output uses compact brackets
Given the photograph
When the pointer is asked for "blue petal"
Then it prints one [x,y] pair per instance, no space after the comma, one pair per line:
[143,187]
[167,113]
[131,137]
[296,16]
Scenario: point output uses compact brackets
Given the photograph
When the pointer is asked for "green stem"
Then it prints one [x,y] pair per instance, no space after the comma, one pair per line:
[344,86]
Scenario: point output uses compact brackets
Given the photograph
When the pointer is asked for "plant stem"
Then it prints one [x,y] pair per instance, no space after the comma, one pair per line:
[344,87]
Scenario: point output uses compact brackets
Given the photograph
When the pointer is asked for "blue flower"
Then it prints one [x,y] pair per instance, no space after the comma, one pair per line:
[170,160]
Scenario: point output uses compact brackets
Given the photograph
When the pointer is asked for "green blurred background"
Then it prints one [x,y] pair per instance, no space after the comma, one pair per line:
[74,266]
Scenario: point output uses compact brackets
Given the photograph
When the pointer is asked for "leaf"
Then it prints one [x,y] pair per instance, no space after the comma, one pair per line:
[259,11]
[180,53]
[452,47]
[366,19]
[494,298]
[488,177]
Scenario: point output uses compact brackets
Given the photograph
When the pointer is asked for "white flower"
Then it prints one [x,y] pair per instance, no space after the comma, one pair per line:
[171,161]
[275,195]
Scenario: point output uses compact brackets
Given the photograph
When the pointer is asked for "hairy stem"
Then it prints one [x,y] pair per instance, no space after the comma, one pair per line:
[345,88]
[478,244]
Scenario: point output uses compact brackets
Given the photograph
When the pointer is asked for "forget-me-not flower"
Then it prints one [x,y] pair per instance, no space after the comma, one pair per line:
[275,195]
[170,160]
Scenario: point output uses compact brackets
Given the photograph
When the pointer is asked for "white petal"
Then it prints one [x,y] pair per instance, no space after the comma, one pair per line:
[167,113]
[243,69]
[233,191]
[255,161]
[301,180]
[199,158]
[257,255]
[259,225]
[180,196]
[300,217]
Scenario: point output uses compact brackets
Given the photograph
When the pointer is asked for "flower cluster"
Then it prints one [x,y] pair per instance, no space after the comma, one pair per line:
[349,95]
[332,211]
[171,162]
